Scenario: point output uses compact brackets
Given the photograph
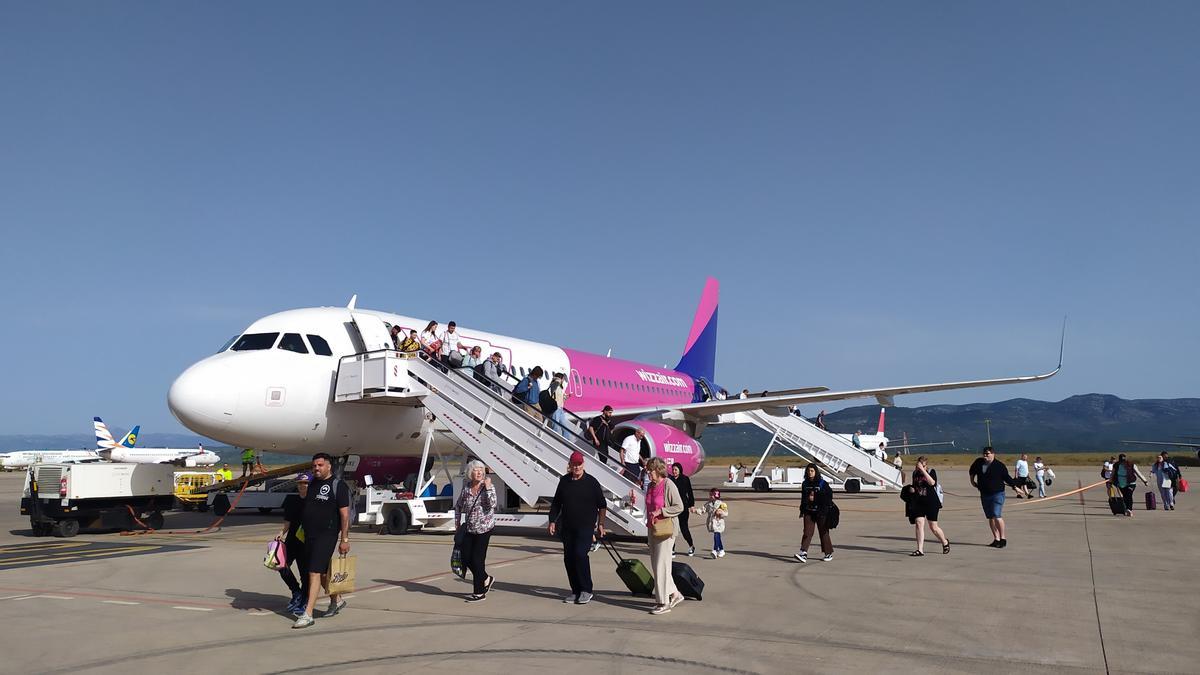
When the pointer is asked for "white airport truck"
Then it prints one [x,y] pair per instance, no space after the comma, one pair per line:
[61,498]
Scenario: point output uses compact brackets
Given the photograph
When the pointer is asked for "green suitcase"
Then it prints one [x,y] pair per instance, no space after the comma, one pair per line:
[637,578]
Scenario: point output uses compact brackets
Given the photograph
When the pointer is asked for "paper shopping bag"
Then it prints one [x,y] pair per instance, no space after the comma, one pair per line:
[341,574]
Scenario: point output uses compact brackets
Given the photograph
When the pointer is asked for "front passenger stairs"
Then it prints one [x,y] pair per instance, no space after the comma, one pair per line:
[529,456]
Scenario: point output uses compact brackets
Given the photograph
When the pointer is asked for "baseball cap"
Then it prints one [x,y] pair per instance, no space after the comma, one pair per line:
[576,458]
[304,477]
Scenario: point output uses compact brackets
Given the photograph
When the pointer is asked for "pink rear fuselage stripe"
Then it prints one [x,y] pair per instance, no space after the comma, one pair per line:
[708,305]
[597,381]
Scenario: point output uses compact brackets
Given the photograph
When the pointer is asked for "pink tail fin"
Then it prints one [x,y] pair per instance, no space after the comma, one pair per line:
[882,412]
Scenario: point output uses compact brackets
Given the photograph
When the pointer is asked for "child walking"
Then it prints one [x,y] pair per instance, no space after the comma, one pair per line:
[716,511]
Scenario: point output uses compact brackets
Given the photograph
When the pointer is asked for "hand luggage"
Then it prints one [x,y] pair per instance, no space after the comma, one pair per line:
[276,558]
[341,574]
[637,578]
[686,581]
[1151,501]
[1183,485]
[1115,501]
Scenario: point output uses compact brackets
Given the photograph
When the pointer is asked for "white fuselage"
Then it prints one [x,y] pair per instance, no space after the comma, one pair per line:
[188,457]
[20,459]
[280,400]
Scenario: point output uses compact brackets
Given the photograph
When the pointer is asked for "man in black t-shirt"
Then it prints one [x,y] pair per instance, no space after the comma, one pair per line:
[326,516]
[576,514]
[600,431]
[989,476]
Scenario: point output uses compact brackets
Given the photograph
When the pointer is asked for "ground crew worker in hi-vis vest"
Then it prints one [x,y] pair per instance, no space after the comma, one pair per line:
[247,462]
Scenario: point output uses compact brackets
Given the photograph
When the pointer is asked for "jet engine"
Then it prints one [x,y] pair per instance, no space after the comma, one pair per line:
[665,441]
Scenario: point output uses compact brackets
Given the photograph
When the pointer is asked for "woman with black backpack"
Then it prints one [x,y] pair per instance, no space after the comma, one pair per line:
[923,504]
[816,508]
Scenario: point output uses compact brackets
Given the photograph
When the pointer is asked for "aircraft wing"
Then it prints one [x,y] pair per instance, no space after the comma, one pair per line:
[1175,445]
[885,396]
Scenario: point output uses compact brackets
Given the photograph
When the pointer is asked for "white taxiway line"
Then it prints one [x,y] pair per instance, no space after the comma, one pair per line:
[47,597]
[13,597]
[119,602]
[193,609]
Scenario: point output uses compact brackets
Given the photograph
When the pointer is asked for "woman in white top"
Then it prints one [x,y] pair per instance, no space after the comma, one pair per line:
[1039,470]
[429,336]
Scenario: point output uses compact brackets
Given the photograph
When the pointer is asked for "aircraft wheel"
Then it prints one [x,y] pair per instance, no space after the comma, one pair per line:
[852,486]
[398,521]
[154,521]
[761,484]
[66,528]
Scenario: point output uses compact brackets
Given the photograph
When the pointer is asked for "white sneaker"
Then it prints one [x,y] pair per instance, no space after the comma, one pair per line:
[660,609]
[691,551]
[673,554]
[584,598]
[571,599]
[675,600]
[721,553]
[716,554]
[303,622]
[334,608]
[802,556]
[828,557]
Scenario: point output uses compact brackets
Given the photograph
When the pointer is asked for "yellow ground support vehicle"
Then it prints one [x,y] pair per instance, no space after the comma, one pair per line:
[186,483]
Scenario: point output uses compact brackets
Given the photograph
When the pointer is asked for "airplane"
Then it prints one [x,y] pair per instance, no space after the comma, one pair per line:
[125,452]
[1195,445]
[871,442]
[23,459]
[272,386]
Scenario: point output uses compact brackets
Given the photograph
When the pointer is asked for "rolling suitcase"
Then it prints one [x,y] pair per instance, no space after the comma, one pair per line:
[637,578]
[686,581]
[1115,501]
[1151,501]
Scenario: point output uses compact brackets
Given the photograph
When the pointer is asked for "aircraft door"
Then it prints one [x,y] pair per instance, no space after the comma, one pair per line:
[576,383]
[373,331]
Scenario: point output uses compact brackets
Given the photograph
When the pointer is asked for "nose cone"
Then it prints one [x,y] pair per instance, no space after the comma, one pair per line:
[205,397]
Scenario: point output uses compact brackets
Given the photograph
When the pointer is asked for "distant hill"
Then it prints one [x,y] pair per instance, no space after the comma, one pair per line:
[1089,422]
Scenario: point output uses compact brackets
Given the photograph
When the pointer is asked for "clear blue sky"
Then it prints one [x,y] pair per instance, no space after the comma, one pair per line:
[890,193]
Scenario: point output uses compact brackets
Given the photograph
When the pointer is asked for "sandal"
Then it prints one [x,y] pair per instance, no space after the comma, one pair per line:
[916,554]
[946,548]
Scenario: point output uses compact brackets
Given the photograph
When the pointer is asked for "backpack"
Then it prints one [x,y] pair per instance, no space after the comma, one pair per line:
[547,403]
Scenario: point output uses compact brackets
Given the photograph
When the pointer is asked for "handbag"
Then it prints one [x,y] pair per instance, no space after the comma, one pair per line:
[341,574]
[663,528]
[276,558]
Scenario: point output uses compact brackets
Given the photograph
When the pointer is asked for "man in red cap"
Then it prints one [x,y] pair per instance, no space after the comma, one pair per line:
[576,512]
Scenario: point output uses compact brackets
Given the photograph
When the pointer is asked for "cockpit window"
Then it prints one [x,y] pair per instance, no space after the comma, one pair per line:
[254,341]
[319,345]
[227,343]
[292,342]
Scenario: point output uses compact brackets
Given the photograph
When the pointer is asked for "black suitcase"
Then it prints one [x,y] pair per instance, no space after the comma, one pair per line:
[686,581]
[637,578]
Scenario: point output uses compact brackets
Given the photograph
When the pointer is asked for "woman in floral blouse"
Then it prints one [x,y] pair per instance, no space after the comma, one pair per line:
[475,516]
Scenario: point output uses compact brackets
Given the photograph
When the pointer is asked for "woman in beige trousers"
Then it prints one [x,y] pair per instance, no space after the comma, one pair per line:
[663,505]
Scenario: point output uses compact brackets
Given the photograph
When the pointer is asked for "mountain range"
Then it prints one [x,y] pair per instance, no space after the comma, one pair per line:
[1088,422]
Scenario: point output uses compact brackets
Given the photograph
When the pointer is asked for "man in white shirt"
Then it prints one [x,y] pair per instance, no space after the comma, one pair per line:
[899,464]
[1039,470]
[450,341]
[1022,469]
[631,455]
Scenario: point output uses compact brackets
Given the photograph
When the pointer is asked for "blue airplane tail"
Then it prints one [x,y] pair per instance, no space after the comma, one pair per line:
[700,354]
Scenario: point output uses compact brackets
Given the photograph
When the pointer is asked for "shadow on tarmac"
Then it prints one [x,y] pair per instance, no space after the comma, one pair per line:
[250,600]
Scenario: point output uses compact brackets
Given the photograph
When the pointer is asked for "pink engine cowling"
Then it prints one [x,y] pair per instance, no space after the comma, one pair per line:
[673,445]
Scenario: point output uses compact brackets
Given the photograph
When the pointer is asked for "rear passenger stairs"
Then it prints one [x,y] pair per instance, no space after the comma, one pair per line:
[855,468]
[528,455]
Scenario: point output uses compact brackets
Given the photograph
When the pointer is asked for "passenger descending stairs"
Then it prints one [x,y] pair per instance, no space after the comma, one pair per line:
[827,449]
[529,457]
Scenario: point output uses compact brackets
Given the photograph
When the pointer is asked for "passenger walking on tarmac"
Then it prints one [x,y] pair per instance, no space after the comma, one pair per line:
[663,506]
[923,506]
[989,476]
[715,512]
[1178,474]
[600,432]
[247,462]
[429,339]
[474,518]
[631,455]
[326,523]
[576,514]
[1106,472]
[816,500]
[1039,473]
[411,344]
[292,536]
[1165,474]
[528,390]
[684,485]
[1022,469]
[1125,476]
